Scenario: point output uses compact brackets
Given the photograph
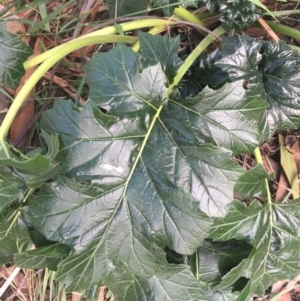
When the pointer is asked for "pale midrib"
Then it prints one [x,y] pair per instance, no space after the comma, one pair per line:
[156,116]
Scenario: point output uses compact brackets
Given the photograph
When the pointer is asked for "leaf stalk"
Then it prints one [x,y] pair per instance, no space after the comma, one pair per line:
[192,57]
[111,30]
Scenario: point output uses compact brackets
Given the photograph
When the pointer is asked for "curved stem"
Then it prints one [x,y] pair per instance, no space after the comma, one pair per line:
[137,24]
[184,14]
[259,160]
[192,57]
[41,70]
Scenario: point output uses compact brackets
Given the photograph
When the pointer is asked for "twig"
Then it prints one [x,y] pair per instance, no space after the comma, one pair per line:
[269,30]
[9,280]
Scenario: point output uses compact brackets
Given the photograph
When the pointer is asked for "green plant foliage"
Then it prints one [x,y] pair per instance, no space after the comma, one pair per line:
[161,49]
[214,259]
[35,168]
[13,234]
[252,183]
[273,231]
[137,171]
[203,73]
[137,204]
[49,256]
[237,14]
[9,192]
[272,68]
[13,52]
[169,5]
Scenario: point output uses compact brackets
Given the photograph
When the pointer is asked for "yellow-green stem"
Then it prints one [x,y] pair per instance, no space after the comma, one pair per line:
[137,24]
[184,14]
[259,160]
[192,57]
[41,70]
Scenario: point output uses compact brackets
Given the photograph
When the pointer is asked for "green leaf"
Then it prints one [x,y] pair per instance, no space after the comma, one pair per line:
[212,5]
[203,73]
[110,227]
[160,49]
[240,57]
[253,183]
[13,235]
[84,129]
[273,230]
[215,259]
[36,167]
[49,256]
[225,117]
[8,175]
[175,282]
[13,52]
[237,14]
[118,86]
[152,173]
[9,193]
[276,73]
[261,5]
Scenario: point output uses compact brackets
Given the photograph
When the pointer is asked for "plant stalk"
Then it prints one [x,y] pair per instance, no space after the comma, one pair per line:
[192,57]
[128,26]
[184,14]
[259,160]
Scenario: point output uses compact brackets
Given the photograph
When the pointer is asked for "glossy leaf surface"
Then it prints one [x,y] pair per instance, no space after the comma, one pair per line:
[34,168]
[49,256]
[13,53]
[237,14]
[156,48]
[215,259]
[202,73]
[13,235]
[253,183]
[155,167]
[273,231]
[272,68]
[143,171]
[9,192]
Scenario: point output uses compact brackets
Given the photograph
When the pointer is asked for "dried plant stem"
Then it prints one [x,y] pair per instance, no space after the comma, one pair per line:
[269,30]
[9,280]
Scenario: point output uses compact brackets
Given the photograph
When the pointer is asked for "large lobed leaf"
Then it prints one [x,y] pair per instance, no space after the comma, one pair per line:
[156,171]
[153,173]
